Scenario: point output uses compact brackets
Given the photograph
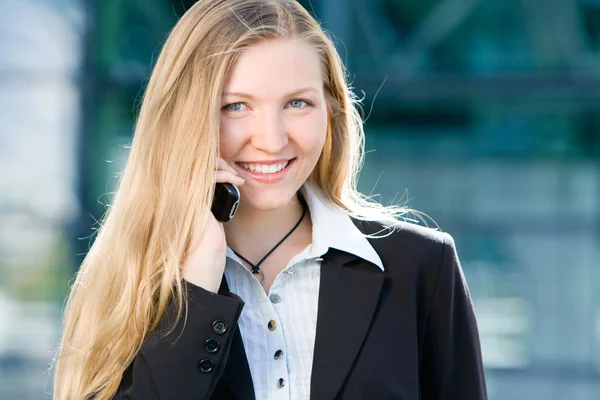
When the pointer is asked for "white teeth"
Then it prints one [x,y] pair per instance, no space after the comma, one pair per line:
[265,169]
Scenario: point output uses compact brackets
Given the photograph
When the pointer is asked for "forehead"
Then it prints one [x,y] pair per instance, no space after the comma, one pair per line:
[275,67]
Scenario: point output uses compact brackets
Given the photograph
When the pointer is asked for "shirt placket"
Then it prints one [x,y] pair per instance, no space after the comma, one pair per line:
[279,375]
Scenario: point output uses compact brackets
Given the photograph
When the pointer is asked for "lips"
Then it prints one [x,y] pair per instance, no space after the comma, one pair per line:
[264,168]
[280,168]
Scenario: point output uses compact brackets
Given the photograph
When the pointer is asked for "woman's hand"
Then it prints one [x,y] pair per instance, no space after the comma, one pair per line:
[205,262]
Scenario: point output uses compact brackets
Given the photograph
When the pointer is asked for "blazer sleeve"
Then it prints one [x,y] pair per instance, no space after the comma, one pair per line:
[187,363]
[451,365]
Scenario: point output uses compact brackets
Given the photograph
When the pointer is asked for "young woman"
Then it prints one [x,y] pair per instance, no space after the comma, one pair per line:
[311,290]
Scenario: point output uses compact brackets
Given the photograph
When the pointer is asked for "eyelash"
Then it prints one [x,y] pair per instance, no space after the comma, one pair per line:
[308,104]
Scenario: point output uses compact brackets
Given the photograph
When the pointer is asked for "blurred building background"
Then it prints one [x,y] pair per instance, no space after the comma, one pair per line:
[484,114]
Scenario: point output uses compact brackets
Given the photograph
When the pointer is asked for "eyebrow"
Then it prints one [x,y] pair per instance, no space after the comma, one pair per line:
[294,93]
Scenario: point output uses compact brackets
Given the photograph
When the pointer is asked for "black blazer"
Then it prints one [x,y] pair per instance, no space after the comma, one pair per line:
[407,333]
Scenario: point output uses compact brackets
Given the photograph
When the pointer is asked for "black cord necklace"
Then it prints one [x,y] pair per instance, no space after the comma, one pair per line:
[256,267]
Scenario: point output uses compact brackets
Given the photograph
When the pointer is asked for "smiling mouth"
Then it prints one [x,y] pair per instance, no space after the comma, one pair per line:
[264,168]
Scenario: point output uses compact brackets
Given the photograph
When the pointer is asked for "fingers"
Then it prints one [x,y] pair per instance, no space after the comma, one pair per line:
[222,164]
[226,173]
[226,176]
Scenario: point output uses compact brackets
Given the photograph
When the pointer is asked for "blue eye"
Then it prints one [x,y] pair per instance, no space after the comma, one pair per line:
[234,107]
[298,103]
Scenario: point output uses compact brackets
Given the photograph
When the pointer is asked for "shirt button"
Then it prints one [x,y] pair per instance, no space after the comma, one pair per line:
[281,383]
[275,298]
[219,327]
[272,325]
[278,354]
[290,271]
[207,366]
[212,345]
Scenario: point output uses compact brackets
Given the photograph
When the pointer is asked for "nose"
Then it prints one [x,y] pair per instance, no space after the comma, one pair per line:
[269,133]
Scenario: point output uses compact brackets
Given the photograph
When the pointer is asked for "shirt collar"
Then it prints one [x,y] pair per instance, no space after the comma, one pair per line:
[333,228]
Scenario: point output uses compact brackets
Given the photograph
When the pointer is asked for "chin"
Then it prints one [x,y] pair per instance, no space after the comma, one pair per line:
[267,199]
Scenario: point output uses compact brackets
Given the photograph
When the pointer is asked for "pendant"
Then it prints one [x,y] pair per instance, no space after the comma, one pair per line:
[260,276]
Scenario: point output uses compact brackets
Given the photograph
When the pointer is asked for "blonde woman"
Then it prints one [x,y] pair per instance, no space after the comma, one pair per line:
[311,290]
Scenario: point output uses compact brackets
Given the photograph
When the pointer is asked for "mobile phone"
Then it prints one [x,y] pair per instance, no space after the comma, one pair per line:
[226,201]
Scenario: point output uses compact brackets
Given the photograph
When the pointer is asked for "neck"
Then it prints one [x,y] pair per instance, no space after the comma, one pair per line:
[253,233]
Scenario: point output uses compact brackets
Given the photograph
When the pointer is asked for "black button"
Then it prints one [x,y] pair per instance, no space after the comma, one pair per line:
[272,325]
[281,383]
[278,354]
[207,366]
[212,345]
[219,327]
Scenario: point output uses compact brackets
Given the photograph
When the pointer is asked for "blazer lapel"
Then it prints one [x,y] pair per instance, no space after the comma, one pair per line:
[348,296]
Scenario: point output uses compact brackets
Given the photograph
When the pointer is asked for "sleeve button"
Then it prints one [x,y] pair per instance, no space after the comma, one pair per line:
[207,366]
[212,346]
[219,327]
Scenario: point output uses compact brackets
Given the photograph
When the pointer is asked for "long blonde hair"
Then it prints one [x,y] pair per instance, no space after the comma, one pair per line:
[132,270]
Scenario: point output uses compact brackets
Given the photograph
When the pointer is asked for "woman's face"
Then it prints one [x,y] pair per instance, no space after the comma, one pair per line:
[273,120]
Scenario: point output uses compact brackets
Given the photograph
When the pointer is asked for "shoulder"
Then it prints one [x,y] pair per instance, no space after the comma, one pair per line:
[416,259]
[413,254]
[420,242]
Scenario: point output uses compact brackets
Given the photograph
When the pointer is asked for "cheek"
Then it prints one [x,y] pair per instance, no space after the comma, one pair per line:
[228,139]
[314,134]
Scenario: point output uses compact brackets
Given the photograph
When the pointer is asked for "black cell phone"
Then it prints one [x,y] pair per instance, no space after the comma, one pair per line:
[226,201]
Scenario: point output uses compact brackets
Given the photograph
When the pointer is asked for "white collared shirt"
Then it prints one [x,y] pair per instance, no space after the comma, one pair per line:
[278,329]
